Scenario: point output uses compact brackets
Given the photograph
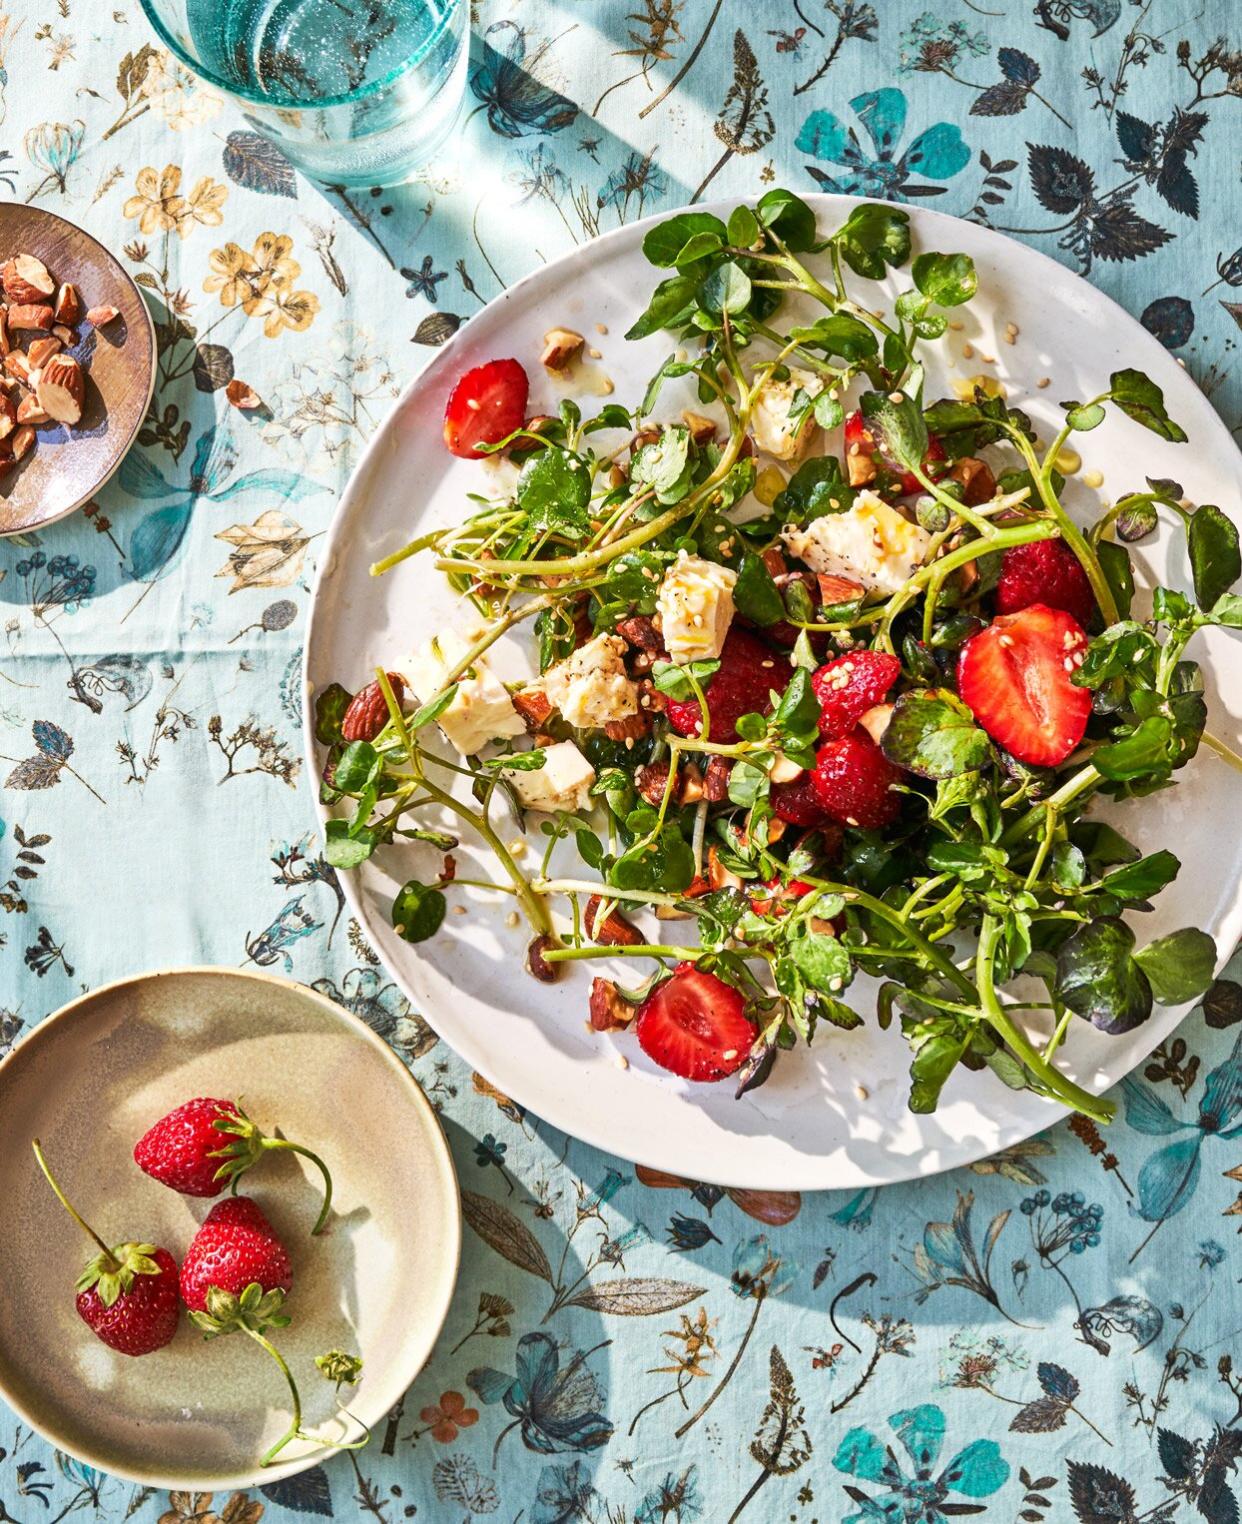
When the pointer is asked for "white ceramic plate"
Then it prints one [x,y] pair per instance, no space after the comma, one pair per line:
[88,1082]
[834,1115]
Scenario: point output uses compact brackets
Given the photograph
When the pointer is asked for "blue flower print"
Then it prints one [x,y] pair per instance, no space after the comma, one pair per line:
[937,154]
[921,1497]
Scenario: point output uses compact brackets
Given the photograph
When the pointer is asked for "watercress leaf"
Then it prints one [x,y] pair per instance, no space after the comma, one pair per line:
[789,217]
[743,227]
[418,911]
[1083,417]
[817,487]
[839,333]
[554,488]
[1215,559]
[747,783]
[330,709]
[933,734]
[669,305]
[1136,520]
[611,416]
[1118,649]
[1145,750]
[675,680]
[556,635]
[896,422]
[519,761]
[946,279]
[1179,967]
[664,465]
[1170,606]
[938,1041]
[1068,866]
[1141,879]
[664,242]
[590,849]
[357,766]
[698,246]
[755,595]
[1097,976]
[635,578]
[752,727]
[823,962]
[1227,611]
[671,367]
[829,413]
[1118,573]
[1140,398]
[726,289]
[345,848]
[953,793]
[874,237]
[431,711]
[797,713]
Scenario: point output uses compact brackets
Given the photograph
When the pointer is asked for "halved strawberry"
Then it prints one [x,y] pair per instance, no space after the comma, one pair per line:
[748,670]
[776,898]
[797,802]
[1015,676]
[1047,572]
[487,404]
[694,1025]
[853,782]
[848,686]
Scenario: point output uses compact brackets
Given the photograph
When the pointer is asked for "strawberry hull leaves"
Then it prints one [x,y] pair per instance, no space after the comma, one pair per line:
[970,866]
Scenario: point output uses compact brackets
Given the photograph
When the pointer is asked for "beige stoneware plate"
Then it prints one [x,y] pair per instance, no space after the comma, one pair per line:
[88,1081]
[68,466]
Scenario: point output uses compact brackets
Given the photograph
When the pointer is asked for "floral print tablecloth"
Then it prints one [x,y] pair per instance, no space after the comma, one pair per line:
[1049,1335]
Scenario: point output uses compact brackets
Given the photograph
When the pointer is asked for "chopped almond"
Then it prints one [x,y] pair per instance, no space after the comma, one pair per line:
[774,561]
[640,631]
[61,389]
[561,347]
[612,930]
[689,784]
[23,439]
[859,466]
[833,590]
[632,728]
[26,280]
[30,315]
[533,705]
[716,779]
[66,335]
[16,363]
[702,430]
[100,317]
[29,411]
[610,1010]
[718,876]
[5,344]
[42,350]
[67,307]
[242,395]
[978,482]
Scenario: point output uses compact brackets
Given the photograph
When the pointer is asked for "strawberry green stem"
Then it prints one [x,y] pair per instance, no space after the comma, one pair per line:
[294,1430]
[69,1207]
[297,1148]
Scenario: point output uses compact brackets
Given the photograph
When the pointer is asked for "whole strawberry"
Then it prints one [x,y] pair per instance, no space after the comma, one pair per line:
[853,781]
[1047,572]
[749,672]
[205,1144]
[235,1247]
[127,1295]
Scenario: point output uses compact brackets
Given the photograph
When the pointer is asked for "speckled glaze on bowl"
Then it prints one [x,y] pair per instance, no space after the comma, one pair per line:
[88,1081]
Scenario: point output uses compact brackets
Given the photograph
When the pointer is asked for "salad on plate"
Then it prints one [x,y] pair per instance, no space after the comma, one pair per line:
[824,677]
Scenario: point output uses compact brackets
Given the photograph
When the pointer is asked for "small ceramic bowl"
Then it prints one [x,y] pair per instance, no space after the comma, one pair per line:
[68,466]
[88,1082]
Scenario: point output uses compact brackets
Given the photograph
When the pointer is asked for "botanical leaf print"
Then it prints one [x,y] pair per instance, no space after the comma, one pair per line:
[1046,1335]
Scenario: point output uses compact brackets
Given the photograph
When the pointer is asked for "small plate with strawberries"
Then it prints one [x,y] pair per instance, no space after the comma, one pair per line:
[802,634]
[231,1229]
[77,366]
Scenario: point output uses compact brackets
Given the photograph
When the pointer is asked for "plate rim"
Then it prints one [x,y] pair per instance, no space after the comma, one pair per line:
[257,1476]
[152,359]
[807,1174]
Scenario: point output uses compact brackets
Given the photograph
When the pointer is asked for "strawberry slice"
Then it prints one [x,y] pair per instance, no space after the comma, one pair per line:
[485,406]
[905,483]
[853,782]
[694,1025]
[1048,572]
[848,686]
[797,803]
[1015,677]
[748,671]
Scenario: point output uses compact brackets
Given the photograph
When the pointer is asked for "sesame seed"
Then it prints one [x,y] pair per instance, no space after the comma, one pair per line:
[601,328]
[1006,640]
[968,351]
[1093,478]
[896,396]
[957,325]
[862,1092]
[729,1053]
[1043,382]
[619,1059]
[459,909]
[517,847]
[473,404]
[595,354]
[606,387]
[850,821]
[767,664]
[513,918]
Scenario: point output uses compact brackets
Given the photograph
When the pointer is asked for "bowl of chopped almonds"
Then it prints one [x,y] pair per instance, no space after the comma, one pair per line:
[77,366]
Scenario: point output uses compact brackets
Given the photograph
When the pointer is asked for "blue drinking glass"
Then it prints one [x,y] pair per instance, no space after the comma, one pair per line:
[353,92]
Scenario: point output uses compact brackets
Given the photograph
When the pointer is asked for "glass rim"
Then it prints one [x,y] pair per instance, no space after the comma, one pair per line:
[289,102]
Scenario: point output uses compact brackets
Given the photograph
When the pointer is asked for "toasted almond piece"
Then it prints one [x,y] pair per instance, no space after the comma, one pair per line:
[718,876]
[65,334]
[8,416]
[29,411]
[561,347]
[632,728]
[31,315]
[23,439]
[689,784]
[860,467]
[5,344]
[43,349]
[67,306]
[702,430]
[833,590]
[100,317]
[978,482]
[612,930]
[61,389]
[242,395]
[25,280]
[875,721]
[16,363]
[610,1010]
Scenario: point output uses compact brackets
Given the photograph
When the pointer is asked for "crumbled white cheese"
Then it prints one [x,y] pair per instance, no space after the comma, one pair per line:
[481,709]
[695,603]
[871,543]
[770,423]
[562,783]
[591,686]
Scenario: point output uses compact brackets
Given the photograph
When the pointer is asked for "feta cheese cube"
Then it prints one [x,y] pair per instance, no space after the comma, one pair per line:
[562,783]
[773,432]
[481,710]
[871,543]
[591,686]
[695,604]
